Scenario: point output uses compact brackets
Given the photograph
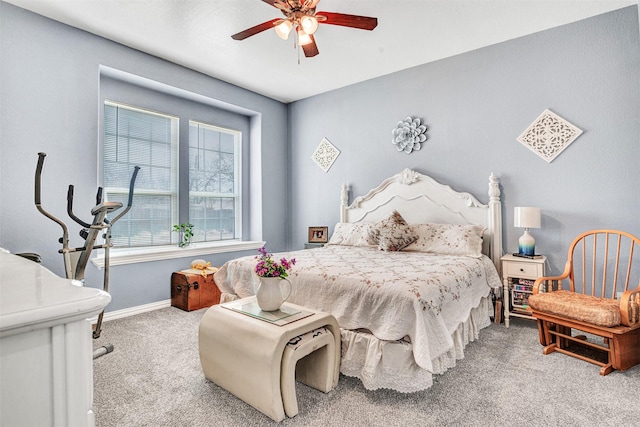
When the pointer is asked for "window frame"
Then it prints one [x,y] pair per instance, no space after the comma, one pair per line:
[173,192]
[237,166]
[128,89]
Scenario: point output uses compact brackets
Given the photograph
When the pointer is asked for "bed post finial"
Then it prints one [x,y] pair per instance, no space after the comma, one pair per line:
[408,176]
[494,188]
[495,222]
[344,202]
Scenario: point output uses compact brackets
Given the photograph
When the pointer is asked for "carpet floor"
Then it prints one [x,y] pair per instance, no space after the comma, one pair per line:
[154,378]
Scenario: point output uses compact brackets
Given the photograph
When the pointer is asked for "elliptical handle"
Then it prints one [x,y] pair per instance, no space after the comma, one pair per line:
[132,183]
[41,157]
[70,209]
[65,231]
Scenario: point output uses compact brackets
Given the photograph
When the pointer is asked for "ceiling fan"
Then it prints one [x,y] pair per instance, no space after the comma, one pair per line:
[301,17]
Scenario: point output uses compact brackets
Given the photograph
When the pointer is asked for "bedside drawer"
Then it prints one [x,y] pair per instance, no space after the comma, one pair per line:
[523,269]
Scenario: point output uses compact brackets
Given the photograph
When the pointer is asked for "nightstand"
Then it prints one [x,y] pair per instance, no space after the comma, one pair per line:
[518,276]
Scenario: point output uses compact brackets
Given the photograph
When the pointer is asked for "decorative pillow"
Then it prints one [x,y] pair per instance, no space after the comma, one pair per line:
[448,239]
[351,234]
[392,233]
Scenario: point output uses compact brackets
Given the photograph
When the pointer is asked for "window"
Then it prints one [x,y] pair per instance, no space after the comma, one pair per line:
[138,137]
[214,197]
[135,137]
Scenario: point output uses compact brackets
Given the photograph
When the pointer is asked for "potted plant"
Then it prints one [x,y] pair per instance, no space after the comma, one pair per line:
[186,233]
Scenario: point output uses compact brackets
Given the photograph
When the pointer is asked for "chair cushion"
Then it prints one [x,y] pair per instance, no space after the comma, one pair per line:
[597,311]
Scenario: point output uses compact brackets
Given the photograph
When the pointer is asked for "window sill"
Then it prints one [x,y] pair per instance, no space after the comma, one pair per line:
[137,255]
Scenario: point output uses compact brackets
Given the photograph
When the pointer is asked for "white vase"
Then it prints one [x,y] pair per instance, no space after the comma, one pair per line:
[272,292]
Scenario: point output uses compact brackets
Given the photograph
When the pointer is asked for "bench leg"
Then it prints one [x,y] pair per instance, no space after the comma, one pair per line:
[317,367]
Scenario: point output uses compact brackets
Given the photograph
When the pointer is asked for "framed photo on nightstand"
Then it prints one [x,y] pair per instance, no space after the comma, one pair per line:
[318,234]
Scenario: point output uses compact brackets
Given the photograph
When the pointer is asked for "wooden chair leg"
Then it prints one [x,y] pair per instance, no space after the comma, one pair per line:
[606,369]
[549,349]
[541,335]
[548,338]
[563,342]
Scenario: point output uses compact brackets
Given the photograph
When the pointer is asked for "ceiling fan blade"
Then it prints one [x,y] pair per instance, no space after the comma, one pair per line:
[353,21]
[310,49]
[280,4]
[255,30]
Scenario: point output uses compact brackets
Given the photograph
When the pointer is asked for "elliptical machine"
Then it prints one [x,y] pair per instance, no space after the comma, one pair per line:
[75,259]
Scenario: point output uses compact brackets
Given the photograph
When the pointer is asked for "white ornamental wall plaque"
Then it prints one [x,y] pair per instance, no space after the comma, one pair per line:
[325,154]
[549,135]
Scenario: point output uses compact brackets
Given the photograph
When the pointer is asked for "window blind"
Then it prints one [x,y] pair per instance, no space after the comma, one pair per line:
[136,137]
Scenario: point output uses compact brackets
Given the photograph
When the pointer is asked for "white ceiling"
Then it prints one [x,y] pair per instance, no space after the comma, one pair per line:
[197,34]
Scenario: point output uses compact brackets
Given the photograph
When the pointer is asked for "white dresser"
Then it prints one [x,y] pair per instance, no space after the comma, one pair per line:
[46,356]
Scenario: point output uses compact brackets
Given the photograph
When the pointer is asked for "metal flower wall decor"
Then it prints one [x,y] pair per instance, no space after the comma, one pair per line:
[408,135]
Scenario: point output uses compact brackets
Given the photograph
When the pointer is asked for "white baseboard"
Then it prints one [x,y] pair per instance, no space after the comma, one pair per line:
[132,311]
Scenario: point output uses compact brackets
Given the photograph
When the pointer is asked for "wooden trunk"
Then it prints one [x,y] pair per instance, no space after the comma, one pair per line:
[193,291]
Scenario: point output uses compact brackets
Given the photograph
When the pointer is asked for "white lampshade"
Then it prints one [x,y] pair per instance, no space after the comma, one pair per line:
[309,24]
[526,217]
[303,38]
[283,29]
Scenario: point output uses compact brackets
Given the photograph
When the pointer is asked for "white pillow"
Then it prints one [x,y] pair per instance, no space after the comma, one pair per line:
[351,234]
[448,239]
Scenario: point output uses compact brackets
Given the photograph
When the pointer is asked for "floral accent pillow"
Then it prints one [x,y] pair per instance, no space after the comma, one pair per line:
[448,239]
[352,234]
[392,233]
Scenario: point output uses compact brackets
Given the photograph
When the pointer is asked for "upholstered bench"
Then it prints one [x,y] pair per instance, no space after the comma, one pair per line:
[258,361]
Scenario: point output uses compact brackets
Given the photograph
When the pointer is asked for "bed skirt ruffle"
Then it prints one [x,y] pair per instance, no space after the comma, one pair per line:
[390,364]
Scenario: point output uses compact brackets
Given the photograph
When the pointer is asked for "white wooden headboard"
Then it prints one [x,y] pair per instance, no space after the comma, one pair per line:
[421,199]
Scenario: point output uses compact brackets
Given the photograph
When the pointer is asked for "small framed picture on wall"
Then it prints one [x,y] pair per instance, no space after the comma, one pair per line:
[318,234]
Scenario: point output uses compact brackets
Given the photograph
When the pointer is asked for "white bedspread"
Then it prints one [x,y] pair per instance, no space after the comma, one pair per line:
[392,294]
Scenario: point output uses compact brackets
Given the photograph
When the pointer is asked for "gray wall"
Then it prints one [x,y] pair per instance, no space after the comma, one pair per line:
[50,95]
[475,106]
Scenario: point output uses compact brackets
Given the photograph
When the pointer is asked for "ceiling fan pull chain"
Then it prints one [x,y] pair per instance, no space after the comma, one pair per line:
[296,45]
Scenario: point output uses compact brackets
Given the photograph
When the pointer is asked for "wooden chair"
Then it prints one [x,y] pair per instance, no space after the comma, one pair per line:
[600,269]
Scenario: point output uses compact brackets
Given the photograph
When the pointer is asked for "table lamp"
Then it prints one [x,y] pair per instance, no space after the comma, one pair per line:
[526,217]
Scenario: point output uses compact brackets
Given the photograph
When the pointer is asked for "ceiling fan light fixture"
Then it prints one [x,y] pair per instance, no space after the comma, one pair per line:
[283,29]
[309,24]
[300,17]
[303,38]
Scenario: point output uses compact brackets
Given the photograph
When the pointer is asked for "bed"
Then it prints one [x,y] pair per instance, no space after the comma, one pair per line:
[405,315]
